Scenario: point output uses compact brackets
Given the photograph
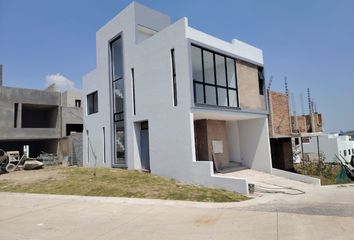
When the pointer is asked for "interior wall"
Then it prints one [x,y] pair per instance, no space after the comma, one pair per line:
[255,145]
[207,131]
[233,136]
[216,131]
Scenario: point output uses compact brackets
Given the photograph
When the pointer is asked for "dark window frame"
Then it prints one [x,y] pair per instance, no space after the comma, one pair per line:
[174,80]
[216,84]
[261,80]
[133,85]
[117,116]
[94,102]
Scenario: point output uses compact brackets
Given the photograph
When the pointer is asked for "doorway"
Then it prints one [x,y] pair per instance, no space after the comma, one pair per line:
[144,146]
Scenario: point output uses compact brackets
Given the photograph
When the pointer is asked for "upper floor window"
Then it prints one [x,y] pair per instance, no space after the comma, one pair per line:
[261,80]
[92,103]
[77,103]
[214,78]
[117,58]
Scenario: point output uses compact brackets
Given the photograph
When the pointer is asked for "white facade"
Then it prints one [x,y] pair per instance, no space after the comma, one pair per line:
[331,145]
[148,38]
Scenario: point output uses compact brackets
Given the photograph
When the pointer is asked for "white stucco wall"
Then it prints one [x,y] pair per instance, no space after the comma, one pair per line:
[171,128]
[330,145]
[254,144]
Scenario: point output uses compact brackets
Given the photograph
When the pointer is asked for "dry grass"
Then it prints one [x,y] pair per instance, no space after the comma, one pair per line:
[327,172]
[117,183]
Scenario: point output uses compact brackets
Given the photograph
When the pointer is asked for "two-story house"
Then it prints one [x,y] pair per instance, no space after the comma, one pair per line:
[170,99]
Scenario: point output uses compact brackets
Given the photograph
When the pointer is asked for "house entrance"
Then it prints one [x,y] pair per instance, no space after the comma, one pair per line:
[144,146]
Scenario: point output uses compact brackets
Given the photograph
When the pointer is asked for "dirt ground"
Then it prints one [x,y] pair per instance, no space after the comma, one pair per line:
[31,176]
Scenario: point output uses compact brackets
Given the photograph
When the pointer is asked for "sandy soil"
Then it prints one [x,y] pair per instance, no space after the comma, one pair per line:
[31,176]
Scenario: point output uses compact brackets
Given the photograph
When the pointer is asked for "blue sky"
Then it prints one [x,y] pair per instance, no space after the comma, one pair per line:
[310,42]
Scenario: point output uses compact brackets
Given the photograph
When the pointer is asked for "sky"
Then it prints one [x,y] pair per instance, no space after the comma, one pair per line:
[309,42]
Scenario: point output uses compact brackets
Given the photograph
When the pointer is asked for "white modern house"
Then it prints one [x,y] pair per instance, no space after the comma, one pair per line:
[331,145]
[167,98]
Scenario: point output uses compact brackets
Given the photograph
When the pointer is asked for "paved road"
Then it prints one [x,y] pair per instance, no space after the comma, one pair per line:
[320,213]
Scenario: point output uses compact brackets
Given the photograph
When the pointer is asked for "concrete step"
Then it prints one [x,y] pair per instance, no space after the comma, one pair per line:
[233,167]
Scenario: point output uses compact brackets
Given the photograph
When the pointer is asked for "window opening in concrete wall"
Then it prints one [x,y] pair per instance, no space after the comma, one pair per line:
[77,103]
[39,116]
[15,115]
[78,128]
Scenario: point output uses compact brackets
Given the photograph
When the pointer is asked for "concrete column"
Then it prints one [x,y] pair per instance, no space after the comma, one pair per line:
[19,116]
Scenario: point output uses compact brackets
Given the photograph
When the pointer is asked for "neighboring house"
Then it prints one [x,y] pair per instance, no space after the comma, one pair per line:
[280,131]
[330,146]
[288,133]
[169,99]
[37,118]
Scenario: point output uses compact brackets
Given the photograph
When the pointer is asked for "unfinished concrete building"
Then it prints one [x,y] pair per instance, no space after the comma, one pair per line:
[37,119]
[289,132]
[280,131]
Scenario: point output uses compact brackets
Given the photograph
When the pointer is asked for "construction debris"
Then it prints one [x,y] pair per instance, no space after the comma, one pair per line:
[11,161]
[32,164]
[48,159]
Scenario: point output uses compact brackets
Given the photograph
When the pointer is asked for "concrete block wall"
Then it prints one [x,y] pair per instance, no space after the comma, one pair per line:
[248,86]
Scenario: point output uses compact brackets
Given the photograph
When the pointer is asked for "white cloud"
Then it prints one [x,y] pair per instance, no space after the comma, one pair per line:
[62,83]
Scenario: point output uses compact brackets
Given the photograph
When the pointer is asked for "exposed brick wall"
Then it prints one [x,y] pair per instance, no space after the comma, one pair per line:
[307,123]
[279,123]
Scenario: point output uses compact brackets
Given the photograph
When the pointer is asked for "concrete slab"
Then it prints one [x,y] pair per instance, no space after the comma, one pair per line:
[268,183]
[35,216]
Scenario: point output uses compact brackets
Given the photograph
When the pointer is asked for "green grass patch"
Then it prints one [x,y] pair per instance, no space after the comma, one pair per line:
[327,172]
[119,183]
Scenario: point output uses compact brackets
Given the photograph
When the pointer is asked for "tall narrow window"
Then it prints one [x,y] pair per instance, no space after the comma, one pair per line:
[104,144]
[174,83]
[15,116]
[118,101]
[133,83]
[261,81]
[88,145]
[92,103]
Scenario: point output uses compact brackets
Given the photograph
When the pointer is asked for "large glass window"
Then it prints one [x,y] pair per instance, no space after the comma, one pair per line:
[208,67]
[117,58]
[220,70]
[231,75]
[92,103]
[119,143]
[214,78]
[118,101]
